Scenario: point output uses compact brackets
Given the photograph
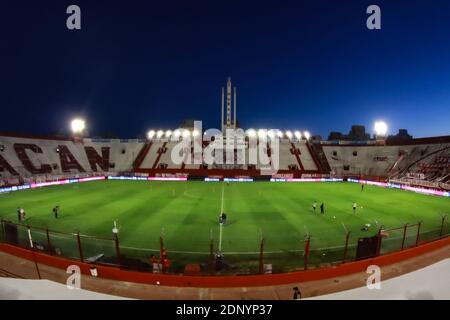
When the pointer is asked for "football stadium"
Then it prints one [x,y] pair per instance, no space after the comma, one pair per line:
[234,212]
[311,204]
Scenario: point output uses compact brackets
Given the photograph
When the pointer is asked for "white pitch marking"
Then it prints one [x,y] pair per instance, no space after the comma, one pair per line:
[220,238]
[223,192]
[221,225]
[237,252]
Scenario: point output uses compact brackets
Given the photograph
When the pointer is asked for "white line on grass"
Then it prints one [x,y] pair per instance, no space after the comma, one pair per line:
[237,252]
[223,192]
[220,224]
[220,238]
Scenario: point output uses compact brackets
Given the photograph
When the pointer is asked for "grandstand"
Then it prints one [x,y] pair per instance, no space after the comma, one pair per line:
[181,152]
[423,162]
[35,159]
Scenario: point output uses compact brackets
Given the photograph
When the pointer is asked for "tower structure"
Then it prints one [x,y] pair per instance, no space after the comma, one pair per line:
[229,115]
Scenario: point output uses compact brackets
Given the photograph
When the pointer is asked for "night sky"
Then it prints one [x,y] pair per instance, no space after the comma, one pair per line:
[310,65]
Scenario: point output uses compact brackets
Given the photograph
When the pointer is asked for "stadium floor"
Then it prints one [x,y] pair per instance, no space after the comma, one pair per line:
[186,213]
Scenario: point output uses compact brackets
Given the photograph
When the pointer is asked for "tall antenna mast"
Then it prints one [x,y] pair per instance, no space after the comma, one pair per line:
[230,119]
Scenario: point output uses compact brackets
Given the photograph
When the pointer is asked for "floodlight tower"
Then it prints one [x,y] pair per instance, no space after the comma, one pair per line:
[307,135]
[230,117]
[151,134]
[381,129]
[78,126]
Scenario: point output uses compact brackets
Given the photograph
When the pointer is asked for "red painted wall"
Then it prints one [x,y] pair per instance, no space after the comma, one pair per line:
[228,281]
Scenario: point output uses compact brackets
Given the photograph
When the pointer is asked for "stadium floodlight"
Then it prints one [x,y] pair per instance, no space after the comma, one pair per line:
[271,134]
[168,133]
[186,133]
[262,133]
[298,135]
[289,134]
[176,133]
[195,133]
[159,134]
[280,134]
[381,128]
[151,134]
[78,125]
[307,135]
[251,133]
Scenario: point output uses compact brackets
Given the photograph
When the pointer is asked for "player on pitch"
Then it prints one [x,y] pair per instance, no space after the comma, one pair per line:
[223,218]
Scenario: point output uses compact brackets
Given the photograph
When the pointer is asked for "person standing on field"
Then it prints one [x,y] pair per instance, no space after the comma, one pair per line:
[322,208]
[222,218]
[314,206]
[354,207]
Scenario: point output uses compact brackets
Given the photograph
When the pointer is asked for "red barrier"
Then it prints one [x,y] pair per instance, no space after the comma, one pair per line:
[115,273]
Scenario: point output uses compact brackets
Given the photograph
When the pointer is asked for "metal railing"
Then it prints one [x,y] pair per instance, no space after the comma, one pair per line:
[265,252]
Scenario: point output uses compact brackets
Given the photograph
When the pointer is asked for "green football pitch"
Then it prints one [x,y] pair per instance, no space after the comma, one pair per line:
[186,213]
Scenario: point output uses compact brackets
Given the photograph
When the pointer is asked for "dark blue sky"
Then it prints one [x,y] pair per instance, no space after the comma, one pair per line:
[310,65]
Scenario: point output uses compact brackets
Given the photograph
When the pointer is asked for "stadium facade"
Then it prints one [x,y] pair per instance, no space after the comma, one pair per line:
[424,162]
